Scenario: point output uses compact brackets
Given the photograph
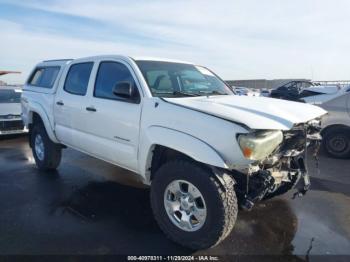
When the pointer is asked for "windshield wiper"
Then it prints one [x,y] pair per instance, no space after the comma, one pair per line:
[214,92]
[185,93]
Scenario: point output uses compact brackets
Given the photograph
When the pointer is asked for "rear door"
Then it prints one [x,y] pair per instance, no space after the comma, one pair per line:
[70,106]
[113,121]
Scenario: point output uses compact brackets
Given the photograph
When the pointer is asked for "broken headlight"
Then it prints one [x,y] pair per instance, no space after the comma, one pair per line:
[260,144]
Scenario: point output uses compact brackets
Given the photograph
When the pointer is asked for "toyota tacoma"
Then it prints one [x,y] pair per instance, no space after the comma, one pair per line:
[203,151]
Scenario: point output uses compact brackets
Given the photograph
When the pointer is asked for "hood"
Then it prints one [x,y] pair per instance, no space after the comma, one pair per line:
[254,112]
[10,109]
[324,89]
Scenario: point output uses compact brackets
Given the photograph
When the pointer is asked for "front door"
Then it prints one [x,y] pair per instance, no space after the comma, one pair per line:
[114,121]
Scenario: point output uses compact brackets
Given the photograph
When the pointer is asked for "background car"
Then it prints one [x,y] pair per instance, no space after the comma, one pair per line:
[240,90]
[265,93]
[244,91]
[10,112]
[321,94]
[253,92]
[336,126]
[290,90]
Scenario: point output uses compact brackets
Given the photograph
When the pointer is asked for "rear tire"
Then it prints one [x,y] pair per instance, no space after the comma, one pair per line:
[218,204]
[47,154]
[336,142]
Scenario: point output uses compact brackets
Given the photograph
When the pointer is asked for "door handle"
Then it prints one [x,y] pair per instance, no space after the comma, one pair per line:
[59,103]
[91,109]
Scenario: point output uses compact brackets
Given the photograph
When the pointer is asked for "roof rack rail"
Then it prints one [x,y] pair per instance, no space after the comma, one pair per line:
[57,60]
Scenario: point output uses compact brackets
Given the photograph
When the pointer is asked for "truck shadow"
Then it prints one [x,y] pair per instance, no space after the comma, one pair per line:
[109,200]
[13,137]
[267,229]
[329,186]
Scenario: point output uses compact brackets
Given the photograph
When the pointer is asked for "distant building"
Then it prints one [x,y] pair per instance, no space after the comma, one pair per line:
[262,83]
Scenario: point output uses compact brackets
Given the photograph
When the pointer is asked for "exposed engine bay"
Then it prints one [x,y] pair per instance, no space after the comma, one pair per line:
[282,170]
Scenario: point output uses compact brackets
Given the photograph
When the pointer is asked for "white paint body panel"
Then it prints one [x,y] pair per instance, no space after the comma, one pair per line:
[125,134]
[324,89]
[10,109]
[254,112]
[325,94]
[338,111]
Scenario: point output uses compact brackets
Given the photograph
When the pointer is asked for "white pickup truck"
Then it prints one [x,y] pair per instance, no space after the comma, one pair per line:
[203,150]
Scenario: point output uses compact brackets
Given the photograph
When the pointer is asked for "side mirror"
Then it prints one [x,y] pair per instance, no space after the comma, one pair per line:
[124,89]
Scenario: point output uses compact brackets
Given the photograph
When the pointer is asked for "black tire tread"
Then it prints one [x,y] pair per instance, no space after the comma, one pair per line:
[335,130]
[229,200]
[53,151]
[224,184]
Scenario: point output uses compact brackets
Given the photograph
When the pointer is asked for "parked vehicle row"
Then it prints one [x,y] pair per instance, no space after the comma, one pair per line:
[201,149]
[243,91]
[10,112]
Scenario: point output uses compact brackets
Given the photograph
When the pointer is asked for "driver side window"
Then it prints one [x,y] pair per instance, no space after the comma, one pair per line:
[108,75]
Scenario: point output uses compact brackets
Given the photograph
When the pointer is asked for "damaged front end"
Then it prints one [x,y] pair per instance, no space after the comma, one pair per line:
[285,168]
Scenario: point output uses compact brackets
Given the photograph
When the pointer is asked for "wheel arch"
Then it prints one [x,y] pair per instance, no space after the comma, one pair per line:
[164,144]
[37,115]
[329,128]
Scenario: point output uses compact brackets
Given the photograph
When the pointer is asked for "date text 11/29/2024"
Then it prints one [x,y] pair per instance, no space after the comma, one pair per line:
[173,258]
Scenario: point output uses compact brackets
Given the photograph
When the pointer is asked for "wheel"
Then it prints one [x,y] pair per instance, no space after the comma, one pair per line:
[336,142]
[47,154]
[191,205]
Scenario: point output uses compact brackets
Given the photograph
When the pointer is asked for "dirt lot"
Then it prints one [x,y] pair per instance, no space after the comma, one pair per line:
[85,208]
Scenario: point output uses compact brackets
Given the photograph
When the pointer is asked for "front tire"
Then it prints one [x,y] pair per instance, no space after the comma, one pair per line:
[201,210]
[47,154]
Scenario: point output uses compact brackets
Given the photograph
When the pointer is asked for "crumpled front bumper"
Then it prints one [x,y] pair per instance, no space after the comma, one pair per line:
[285,170]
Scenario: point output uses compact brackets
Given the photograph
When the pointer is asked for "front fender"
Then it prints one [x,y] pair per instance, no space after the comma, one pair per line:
[185,143]
[335,118]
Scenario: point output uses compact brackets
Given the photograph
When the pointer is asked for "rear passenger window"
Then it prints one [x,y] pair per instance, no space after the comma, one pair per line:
[77,78]
[44,76]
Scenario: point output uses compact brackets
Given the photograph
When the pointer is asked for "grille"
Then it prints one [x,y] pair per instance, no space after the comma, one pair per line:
[11,125]
[294,139]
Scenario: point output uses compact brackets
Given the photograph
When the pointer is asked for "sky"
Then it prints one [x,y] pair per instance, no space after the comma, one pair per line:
[237,39]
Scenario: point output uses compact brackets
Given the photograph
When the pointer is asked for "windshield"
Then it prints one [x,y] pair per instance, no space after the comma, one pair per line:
[166,79]
[10,96]
[296,85]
